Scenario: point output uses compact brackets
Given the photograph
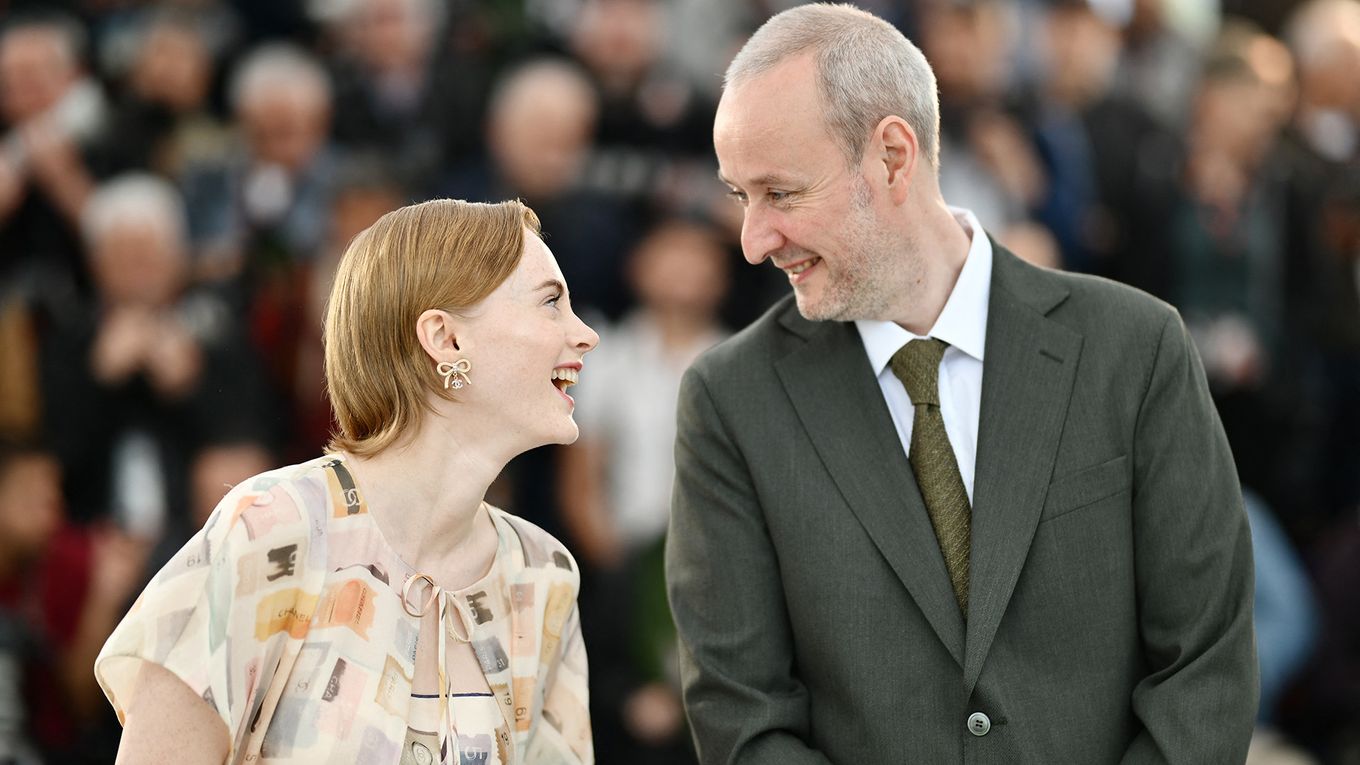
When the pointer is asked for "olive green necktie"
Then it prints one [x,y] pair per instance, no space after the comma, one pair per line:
[917,365]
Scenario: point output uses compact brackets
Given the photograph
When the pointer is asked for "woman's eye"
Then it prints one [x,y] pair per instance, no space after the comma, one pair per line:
[552,301]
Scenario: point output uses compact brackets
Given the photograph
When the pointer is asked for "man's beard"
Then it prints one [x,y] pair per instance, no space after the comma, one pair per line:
[862,286]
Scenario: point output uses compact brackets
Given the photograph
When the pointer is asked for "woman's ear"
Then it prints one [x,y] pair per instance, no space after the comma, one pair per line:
[438,332]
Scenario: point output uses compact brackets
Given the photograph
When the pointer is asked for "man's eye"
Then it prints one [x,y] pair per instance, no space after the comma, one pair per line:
[777,196]
[737,196]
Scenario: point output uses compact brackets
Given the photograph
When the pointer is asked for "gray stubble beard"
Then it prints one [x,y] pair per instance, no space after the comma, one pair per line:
[866,288]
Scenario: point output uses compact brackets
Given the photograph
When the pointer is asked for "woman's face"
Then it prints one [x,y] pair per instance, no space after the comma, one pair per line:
[521,341]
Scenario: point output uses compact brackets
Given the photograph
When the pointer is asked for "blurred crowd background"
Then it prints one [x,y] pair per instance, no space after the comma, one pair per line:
[179,178]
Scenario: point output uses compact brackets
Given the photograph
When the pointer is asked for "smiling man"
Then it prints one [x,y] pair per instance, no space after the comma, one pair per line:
[939,506]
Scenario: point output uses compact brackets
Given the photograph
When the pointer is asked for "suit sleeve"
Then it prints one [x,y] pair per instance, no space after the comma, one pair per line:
[1193,555]
[744,699]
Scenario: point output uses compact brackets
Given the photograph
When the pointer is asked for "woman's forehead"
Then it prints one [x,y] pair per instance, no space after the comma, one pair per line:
[536,265]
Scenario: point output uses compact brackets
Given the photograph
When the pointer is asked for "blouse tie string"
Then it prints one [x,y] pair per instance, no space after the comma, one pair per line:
[441,643]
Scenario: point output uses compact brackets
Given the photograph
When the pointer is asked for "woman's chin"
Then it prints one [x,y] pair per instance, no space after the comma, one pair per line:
[570,433]
[563,434]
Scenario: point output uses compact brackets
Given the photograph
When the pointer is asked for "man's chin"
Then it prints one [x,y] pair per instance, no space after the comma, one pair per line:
[815,310]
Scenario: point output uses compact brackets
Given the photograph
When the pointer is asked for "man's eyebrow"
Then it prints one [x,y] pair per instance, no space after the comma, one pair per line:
[767,180]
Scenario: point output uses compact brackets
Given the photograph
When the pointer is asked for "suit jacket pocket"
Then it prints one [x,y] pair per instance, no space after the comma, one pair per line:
[1086,487]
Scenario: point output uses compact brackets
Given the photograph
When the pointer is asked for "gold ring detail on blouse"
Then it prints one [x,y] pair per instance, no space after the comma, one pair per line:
[406,595]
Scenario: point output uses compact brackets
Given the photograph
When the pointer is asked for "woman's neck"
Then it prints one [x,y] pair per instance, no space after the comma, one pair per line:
[426,496]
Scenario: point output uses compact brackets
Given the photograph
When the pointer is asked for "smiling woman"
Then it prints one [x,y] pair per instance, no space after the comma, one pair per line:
[368,605]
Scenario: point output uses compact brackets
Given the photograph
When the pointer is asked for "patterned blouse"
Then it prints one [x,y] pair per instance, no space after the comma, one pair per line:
[285,613]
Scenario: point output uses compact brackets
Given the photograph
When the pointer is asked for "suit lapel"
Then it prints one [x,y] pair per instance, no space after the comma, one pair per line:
[837,398]
[1027,382]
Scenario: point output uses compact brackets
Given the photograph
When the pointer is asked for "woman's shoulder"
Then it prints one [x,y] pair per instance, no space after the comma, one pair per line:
[541,550]
[286,503]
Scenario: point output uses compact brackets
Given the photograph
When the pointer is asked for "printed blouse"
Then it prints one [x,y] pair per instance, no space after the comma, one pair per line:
[285,614]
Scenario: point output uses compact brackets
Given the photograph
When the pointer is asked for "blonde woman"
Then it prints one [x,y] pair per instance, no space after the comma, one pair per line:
[368,605]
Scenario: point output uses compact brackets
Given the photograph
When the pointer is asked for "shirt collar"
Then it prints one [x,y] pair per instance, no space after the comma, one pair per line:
[962,323]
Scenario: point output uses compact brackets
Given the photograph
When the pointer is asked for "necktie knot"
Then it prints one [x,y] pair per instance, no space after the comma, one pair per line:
[917,365]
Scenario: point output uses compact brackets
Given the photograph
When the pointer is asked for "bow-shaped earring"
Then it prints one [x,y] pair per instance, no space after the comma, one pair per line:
[455,373]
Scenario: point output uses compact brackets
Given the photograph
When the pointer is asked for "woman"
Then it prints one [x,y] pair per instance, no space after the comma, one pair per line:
[368,605]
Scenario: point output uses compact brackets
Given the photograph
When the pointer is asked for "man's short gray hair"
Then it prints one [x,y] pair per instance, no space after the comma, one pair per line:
[273,66]
[866,70]
[139,199]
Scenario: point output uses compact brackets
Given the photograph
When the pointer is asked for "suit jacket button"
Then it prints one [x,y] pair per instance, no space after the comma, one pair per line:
[979,724]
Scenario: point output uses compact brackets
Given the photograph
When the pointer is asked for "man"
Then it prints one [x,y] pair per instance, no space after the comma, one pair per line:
[56,120]
[1060,572]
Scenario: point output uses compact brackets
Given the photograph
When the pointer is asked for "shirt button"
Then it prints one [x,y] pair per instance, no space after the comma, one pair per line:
[979,724]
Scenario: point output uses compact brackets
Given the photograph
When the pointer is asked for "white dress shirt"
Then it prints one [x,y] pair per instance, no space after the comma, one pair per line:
[962,324]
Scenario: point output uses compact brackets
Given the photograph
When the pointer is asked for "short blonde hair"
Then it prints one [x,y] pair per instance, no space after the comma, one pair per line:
[446,254]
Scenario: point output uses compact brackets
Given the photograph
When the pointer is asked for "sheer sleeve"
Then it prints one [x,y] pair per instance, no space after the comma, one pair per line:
[223,611]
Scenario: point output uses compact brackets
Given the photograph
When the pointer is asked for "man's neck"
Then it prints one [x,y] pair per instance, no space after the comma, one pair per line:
[942,244]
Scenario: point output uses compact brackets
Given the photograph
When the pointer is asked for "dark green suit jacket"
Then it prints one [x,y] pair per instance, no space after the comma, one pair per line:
[1111,573]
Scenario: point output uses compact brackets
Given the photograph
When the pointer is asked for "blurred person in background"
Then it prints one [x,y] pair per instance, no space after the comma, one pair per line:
[152,369]
[990,163]
[405,86]
[540,130]
[365,190]
[263,209]
[651,118]
[615,486]
[1323,228]
[54,115]
[1325,38]
[20,380]
[164,118]
[260,217]
[1160,63]
[1286,618]
[1227,248]
[62,590]
[1109,165]
[1321,148]
[1324,711]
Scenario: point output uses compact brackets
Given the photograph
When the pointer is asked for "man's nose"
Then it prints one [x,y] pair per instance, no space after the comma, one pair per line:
[759,235]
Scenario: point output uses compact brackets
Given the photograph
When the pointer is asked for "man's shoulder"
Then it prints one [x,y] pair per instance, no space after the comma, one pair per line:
[1121,327]
[1083,302]
[754,349]
[1099,298]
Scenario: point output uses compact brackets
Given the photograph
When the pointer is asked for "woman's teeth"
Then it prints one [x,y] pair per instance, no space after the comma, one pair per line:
[564,377]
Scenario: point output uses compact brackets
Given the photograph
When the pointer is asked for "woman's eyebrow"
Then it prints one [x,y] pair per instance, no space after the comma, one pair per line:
[552,283]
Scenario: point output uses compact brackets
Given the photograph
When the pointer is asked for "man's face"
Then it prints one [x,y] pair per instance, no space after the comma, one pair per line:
[805,209]
[286,126]
[34,73]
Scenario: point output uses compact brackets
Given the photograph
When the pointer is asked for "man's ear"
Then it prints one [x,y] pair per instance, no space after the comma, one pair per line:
[896,150]
[438,332]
